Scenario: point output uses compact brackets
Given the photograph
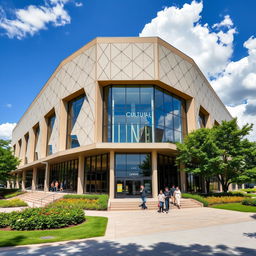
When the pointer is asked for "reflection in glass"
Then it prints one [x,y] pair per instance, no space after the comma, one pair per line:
[141,114]
[74,108]
[50,125]
[96,179]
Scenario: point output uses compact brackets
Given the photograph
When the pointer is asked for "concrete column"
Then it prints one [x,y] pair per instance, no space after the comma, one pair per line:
[112,174]
[8,185]
[154,175]
[34,178]
[17,181]
[23,180]
[12,183]
[242,186]
[191,115]
[46,177]
[80,176]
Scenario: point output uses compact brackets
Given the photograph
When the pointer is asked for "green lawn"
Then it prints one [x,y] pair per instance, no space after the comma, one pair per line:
[235,207]
[92,227]
[12,203]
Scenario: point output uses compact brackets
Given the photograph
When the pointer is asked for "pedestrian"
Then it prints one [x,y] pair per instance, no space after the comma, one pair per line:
[177,196]
[52,187]
[143,195]
[161,199]
[167,194]
[172,194]
[56,185]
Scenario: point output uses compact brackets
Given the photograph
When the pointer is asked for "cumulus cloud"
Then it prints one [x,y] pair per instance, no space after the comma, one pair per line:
[6,130]
[33,18]
[210,47]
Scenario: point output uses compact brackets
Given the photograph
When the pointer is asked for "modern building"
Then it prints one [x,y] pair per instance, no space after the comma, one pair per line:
[108,118]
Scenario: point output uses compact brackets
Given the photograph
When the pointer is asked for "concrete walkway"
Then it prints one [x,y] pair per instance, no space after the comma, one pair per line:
[188,232]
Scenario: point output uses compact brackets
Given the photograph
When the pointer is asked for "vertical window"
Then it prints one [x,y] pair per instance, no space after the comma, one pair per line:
[37,133]
[74,108]
[50,125]
[26,147]
[20,145]
[201,120]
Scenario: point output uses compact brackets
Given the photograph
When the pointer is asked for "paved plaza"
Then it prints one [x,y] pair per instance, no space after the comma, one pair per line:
[189,232]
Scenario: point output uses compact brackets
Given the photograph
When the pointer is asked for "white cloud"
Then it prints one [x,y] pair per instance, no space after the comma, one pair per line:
[31,19]
[6,130]
[78,4]
[8,105]
[210,47]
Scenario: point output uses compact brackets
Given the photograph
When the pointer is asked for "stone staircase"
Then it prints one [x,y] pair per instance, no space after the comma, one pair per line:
[133,204]
[40,198]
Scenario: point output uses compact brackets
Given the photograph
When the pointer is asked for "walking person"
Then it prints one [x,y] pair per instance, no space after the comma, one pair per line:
[143,195]
[172,194]
[177,196]
[161,199]
[167,194]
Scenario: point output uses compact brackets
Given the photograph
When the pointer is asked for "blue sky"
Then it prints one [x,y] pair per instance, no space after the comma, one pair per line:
[30,53]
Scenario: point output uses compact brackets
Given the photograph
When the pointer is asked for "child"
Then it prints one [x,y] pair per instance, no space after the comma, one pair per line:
[161,198]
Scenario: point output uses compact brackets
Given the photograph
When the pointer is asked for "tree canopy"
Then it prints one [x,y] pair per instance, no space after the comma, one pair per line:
[8,161]
[222,152]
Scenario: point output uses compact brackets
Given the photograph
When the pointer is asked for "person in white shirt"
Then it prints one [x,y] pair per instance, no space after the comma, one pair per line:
[177,196]
[161,199]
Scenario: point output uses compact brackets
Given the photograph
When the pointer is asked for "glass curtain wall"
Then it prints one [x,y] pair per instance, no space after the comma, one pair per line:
[132,171]
[142,114]
[168,174]
[65,173]
[28,179]
[50,124]
[74,108]
[40,178]
[96,174]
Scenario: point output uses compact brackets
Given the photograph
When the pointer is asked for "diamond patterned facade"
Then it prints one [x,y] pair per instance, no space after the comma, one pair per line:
[107,61]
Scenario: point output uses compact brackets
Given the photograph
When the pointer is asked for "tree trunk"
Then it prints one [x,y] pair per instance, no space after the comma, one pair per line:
[207,186]
[225,188]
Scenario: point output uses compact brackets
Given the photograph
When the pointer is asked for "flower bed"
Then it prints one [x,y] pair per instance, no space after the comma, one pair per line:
[12,203]
[223,199]
[42,218]
[86,202]
[249,201]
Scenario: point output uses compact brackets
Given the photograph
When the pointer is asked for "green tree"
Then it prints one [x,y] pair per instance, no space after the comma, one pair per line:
[223,152]
[8,161]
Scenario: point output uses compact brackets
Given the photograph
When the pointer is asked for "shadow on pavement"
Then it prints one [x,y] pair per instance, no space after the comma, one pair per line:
[251,235]
[107,248]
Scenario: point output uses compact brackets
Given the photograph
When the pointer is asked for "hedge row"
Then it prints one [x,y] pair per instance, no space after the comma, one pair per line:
[42,218]
[249,190]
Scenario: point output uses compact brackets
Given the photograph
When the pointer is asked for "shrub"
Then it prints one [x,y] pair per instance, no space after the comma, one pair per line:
[86,202]
[4,219]
[224,199]
[45,218]
[6,191]
[249,201]
[220,194]
[17,193]
[196,197]
[12,203]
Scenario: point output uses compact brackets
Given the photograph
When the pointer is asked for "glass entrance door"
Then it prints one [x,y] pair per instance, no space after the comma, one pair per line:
[132,171]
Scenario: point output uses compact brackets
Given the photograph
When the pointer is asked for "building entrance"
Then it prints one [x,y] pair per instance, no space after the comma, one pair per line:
[132,171]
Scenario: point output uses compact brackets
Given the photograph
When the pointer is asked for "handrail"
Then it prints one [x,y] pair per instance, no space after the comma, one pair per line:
[42,198]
